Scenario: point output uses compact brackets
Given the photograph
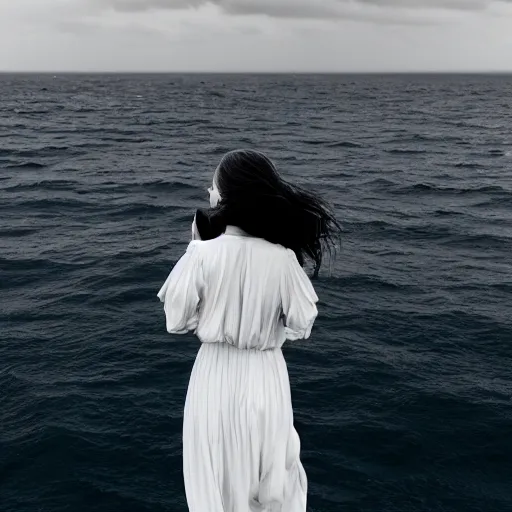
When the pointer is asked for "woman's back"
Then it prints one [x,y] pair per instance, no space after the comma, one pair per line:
[240,290]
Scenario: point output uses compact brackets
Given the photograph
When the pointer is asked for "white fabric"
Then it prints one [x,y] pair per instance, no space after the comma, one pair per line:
[243,297]
[195,232]
[240,290]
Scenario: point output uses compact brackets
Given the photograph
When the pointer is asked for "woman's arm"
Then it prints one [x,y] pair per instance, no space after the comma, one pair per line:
[298,299]
[182,290]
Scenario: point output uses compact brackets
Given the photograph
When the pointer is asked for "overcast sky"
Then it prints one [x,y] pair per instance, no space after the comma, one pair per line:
[255,35]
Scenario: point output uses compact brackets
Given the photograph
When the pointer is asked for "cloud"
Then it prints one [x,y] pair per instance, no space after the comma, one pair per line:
[378,11]
[386,12]
[326,9]
[297,8]
[146,5]
[462,5]
[256,35]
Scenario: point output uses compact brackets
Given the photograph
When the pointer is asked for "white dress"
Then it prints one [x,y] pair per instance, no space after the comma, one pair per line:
[243,297]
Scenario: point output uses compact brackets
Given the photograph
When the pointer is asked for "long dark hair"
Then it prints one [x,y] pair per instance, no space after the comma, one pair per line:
[255,198]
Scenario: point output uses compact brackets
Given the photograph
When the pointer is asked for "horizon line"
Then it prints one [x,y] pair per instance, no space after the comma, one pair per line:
[138,72]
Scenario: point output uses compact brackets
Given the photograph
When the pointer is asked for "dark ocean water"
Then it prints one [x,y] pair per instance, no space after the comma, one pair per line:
[403,395]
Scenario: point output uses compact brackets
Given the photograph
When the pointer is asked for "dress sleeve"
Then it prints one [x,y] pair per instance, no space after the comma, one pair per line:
[298,299]
[181,292]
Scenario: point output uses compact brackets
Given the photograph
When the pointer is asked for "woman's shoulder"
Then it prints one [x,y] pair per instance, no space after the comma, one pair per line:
[274,250]
[203,246]
[193,245]
[277,253]
[283,252]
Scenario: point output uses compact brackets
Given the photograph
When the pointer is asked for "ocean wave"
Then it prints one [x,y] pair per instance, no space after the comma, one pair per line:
[467,165]
[127,296]
[384,230]
[468,124]
[138,209]
[406,137]
[17,232]
[87,110]
[486,153]
[494,202]
[478,241]
[34,111]
[156,186]
[44,184]
[406,151]
[33,152]
[26,165]
[345,144]
[98,131]
[134,140]
[19,264]
[448,213]
[59,205]
[380,182]
[215,149]
[371,225]
[438,189]
[370,283]
[332,144]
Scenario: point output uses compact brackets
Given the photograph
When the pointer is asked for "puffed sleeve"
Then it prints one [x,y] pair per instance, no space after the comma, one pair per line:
[181,292]
[298,299]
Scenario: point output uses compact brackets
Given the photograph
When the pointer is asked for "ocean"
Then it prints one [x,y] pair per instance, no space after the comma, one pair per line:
[402,396]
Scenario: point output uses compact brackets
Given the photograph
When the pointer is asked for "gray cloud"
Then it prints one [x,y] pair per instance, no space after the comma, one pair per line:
[460,5]
[303,9]
[298,8]
[146,5]
[382,12]
[150,35]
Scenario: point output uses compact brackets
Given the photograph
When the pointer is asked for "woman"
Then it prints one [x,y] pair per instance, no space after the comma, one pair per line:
[241,288]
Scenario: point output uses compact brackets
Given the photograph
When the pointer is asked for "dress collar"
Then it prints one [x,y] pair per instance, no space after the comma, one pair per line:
[235,231]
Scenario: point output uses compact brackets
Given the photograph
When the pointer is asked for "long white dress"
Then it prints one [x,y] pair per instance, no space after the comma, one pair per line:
[243,297]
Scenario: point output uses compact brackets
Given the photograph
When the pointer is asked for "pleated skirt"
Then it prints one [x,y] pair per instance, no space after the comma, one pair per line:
[241,452]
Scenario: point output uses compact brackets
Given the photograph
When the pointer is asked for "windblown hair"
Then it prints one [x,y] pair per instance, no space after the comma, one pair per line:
[256,199]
